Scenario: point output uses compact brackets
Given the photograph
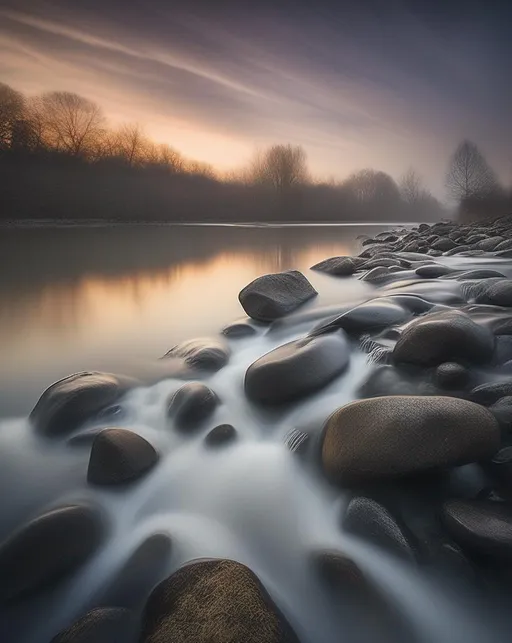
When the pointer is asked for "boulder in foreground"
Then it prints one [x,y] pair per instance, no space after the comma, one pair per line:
[444,337]
[213,600]
[65,405]
[272,296]
[47,548]
[389,437]
[119,456]
[297,368]
[191,405]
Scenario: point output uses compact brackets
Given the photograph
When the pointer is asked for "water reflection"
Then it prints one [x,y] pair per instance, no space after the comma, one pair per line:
[105,298]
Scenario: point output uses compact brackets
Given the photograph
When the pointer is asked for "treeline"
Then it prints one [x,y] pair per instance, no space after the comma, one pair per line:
[59,159]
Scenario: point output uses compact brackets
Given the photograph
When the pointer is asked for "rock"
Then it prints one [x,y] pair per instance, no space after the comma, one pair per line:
[144,569]
[412,303]
[203,353]
[442,337]
[488,244]
[451,375]
[339,266]
[389,437]
[376,274]
[504,245]
[101,625]
[423,227]
[47,548]
[222,434]
[214,600]
[385,262]
[239,330]
[386,380]
[297,369]
[371,521]
[433,271]
[457,250]
[119,456]
[502,411]
[68,403]
[444,244]
[502,349]
[500,468]
[482,527]
[490,393]
[275,295]
[372,315]
[497,294]
[191,405]
[477,274]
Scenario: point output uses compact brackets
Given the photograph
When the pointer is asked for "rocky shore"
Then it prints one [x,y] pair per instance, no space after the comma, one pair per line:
[437,399]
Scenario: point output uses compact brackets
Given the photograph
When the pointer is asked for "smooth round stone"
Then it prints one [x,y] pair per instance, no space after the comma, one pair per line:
[272,296]
[502,411]
[239,330]
[479,274]
[119,456]
[203,353]
[395,436]
[497,294]
[49,547]
[222,434]
[444,244]
[376,275]
[100,625]
[371,315]
[68,403]
[442,337]
[297,369]
[191,405]
[433,271]
[482,527]
[490,393]
[385,262]
[488,245]
[386,380]
[338,266]
[451,375]
[371,521]
[501,469]
[213,600]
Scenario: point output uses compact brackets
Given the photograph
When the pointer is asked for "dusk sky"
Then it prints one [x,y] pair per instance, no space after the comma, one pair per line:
[385,84]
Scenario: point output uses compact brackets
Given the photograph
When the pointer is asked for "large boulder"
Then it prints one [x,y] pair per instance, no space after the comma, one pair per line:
[480,526]
[498,293]
[297,368]
[213,600]
[389,437]
[65,405]
[372,522]
[338,266]
[191,405]
[144,569]
[202,353]
[47,548]
[444,337]
[119,456]
[100,625]
[275,295]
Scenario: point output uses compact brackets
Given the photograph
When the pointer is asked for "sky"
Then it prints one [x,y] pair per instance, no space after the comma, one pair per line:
[368,83]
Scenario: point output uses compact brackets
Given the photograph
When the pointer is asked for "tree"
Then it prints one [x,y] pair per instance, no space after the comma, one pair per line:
[12,106]
[72,124]
[371,187]
[469,175]
[411,187]
[282,167]
[131,143]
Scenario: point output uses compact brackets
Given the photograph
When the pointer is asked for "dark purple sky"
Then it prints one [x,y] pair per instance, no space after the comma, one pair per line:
[375,83]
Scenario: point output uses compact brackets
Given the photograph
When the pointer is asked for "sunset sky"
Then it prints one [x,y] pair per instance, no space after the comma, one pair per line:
[381,83]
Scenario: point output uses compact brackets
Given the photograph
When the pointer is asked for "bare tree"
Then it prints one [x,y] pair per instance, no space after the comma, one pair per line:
[369,187]
[281,167]
[11,113]
[72,123]
[131,143]
[469,175]
[411,187]
[200,169]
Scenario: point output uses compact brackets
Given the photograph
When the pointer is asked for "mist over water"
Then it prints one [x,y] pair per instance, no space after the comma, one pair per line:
[252,501]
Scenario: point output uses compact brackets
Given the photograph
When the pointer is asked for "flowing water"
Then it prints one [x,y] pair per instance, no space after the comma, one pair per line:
[116,299]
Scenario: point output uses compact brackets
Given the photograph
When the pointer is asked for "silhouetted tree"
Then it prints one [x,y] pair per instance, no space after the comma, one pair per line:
[411,187]
[130,143]
[469,175]
[281,167]
[71,123]
[11,113]
[369,187]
